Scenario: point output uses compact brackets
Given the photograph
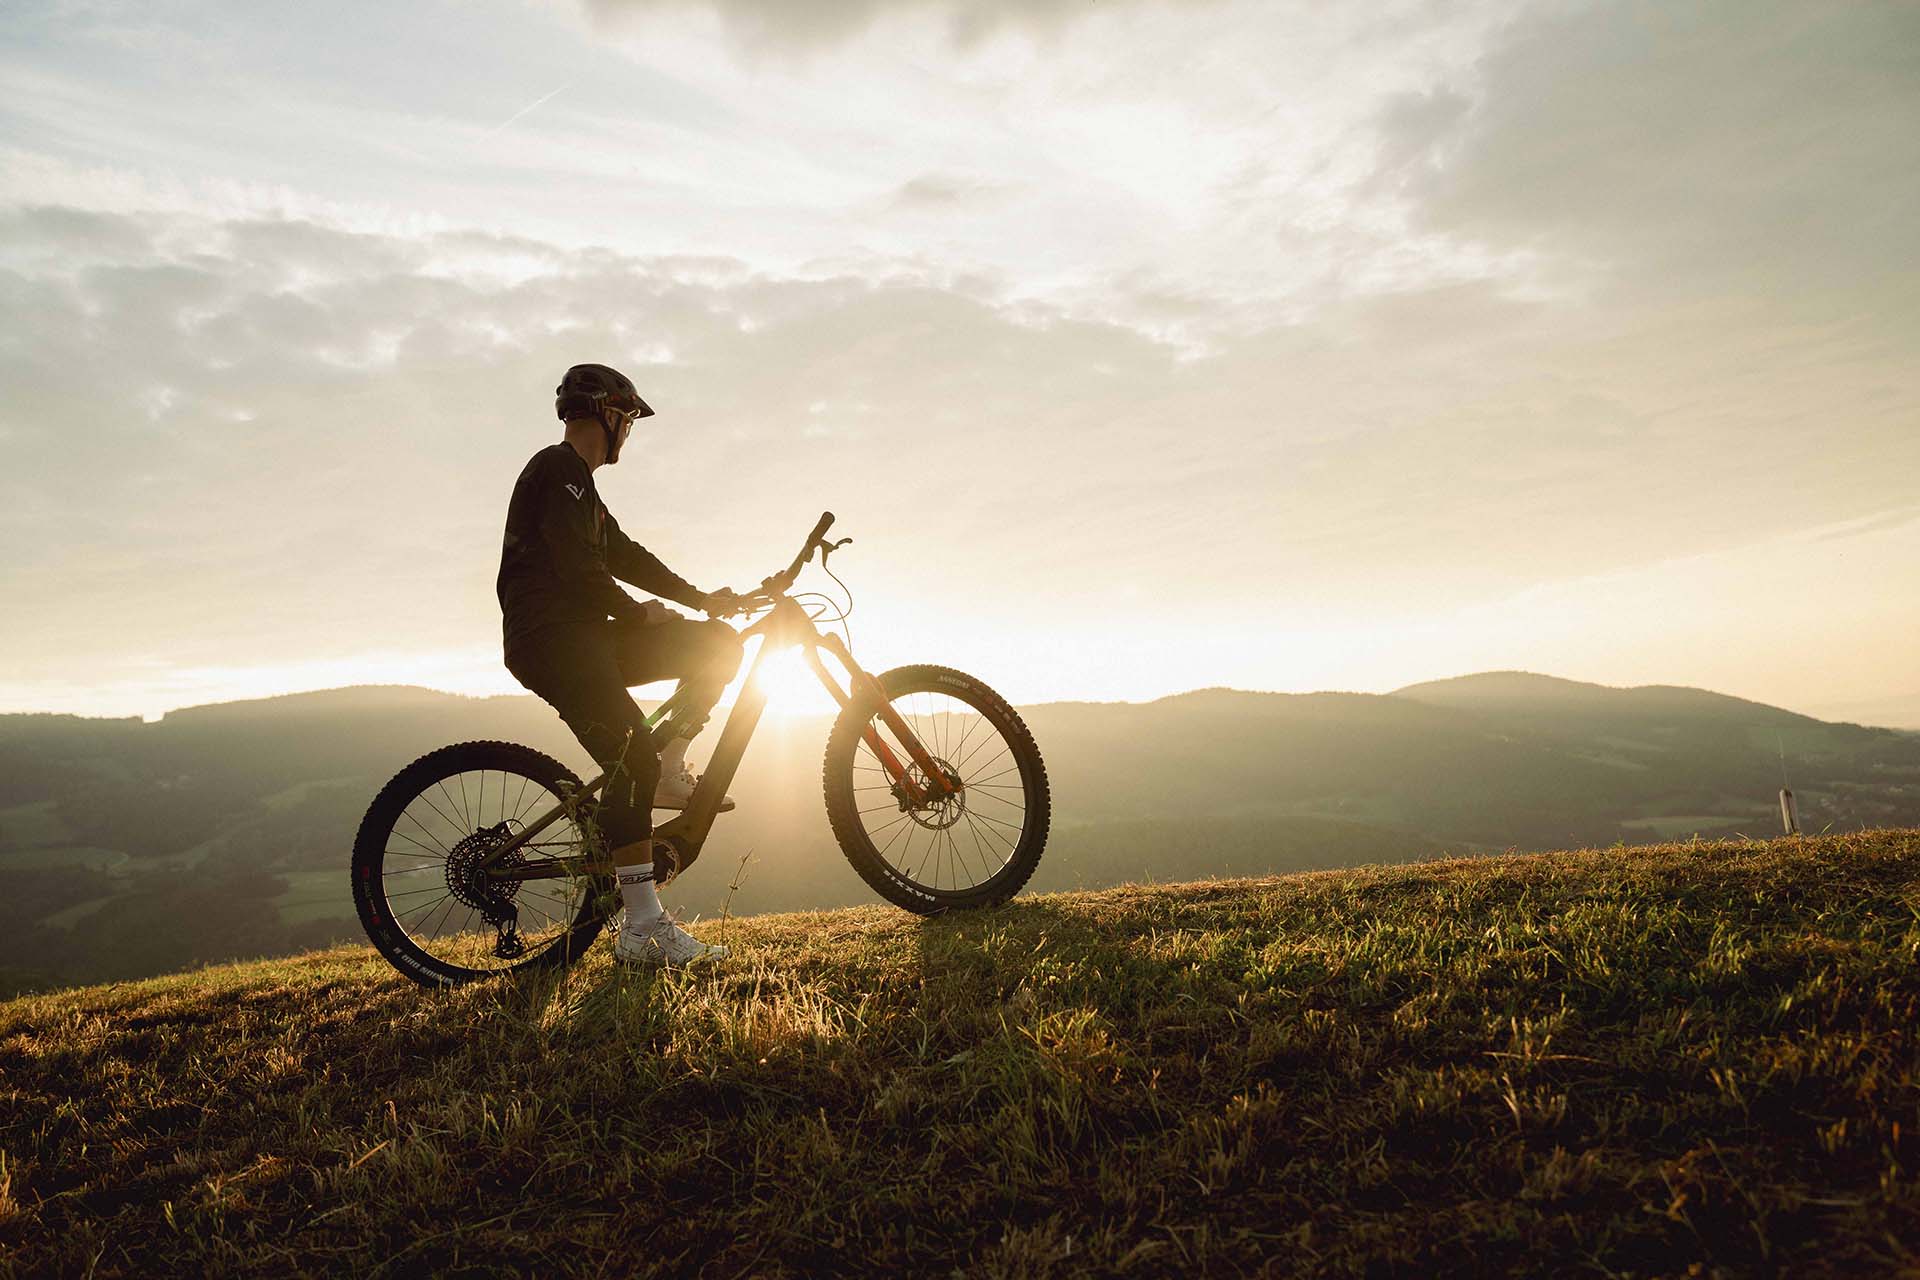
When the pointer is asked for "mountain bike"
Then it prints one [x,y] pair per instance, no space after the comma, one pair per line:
[485,857]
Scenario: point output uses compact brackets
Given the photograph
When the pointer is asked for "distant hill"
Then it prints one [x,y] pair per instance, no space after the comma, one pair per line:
[1900,711]
[1524,693]
[1684,1060]
[364,699]
[1500,759]
[129,848]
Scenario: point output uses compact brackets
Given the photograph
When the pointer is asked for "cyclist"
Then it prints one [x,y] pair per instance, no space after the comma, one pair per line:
[572,636]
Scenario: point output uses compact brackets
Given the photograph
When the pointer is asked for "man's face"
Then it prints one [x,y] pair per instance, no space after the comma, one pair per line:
[623,427]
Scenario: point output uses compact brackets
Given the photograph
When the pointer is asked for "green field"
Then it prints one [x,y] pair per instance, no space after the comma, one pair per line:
[316,895]
[78,856]
[301,791]
[23,826]
[1694,1059]
[68,917]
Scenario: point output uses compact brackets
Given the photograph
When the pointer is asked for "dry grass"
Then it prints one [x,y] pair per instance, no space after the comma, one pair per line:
[1685,1059]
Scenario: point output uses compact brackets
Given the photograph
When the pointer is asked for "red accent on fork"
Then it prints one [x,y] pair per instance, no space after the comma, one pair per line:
[912,744]
[861,682]
[896,770]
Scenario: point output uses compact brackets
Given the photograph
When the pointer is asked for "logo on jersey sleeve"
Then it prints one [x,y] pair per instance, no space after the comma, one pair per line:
[576,491]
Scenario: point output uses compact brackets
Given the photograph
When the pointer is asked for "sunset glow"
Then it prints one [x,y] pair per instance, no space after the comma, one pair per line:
[1140,346]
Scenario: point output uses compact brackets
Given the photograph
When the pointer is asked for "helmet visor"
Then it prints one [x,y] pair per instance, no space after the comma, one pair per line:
[630,404]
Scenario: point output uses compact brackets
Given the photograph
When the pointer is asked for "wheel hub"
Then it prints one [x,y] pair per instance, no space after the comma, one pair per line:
[939,807]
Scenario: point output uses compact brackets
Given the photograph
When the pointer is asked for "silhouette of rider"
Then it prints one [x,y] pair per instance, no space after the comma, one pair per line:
[573,637]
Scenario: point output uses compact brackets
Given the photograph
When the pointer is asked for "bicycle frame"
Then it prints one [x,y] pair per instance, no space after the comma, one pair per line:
[785,626]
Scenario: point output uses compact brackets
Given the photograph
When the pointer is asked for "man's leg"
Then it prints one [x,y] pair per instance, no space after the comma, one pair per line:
[574,670]
[703,656]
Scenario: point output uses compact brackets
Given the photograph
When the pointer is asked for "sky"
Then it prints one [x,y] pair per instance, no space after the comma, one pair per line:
[1141,345]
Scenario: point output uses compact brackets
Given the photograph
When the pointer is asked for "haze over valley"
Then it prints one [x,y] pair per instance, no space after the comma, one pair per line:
[223,831]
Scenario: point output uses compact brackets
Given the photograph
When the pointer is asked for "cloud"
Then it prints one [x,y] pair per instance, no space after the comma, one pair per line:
[1759,147]
[306,436]
[261,434]
[812,24]
[1290,312]
[944,192]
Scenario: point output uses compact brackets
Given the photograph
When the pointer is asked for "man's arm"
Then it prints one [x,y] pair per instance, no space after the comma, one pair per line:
[566,523]
[631,562]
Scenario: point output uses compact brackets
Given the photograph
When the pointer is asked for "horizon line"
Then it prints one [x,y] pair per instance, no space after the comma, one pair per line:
[482,697]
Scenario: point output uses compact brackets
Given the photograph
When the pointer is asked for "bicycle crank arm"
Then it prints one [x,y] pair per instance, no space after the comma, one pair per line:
[673,850]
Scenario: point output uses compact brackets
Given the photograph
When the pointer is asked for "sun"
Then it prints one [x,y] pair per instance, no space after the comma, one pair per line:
[791,686]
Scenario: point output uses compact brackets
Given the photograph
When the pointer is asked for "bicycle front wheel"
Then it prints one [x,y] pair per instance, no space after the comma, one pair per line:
[427,902]
[972,845]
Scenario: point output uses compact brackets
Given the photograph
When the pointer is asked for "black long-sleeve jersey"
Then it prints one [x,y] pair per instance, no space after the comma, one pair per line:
[563,550]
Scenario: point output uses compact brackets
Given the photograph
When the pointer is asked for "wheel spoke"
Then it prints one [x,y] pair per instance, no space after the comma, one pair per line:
[465,815]
[433,851]
[979,747]
[448,926]
[443,815]
[994,801]
[987,817]
[989,832]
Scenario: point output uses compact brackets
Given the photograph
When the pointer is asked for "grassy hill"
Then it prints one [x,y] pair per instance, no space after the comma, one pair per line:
[1675,1059]
[129,849]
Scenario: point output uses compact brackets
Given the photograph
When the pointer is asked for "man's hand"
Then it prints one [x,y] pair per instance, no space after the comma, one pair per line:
[653,613]
[718,604]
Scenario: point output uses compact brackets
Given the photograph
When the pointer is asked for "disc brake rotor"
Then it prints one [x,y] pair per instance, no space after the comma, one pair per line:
[939,808]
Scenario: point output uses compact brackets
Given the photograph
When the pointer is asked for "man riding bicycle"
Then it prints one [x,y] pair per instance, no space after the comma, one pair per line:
[572,636]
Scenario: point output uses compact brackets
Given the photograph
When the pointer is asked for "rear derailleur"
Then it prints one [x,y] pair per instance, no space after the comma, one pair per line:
[469,882]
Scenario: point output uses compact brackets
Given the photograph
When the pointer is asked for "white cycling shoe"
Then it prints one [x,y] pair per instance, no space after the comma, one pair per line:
[663,945]
[676,790]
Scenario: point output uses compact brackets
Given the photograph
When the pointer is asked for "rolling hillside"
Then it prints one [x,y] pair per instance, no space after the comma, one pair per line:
[1694,1059]
[129,849]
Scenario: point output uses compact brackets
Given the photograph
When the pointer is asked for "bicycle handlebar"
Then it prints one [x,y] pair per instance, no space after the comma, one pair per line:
[819,531]
[779,582]
[784,579]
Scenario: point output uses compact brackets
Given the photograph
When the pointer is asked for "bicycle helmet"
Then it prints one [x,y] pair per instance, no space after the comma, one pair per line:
[590,390]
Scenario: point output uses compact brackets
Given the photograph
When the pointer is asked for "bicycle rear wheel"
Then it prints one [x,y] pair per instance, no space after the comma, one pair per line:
[428,905]
[971,848]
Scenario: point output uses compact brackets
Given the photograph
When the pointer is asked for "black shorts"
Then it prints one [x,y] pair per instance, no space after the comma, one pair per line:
[583,671]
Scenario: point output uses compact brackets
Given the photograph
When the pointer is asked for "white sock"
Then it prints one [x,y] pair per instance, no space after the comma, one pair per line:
[636,888]
[673,757]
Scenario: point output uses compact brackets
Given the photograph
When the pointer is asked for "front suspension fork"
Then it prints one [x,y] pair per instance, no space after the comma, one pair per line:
[864,684]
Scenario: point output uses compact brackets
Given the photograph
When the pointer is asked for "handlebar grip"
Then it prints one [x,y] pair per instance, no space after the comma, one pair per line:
[781,581]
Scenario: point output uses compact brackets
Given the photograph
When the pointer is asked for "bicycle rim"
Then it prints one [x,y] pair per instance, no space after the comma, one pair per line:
[948,847]
[429,903]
